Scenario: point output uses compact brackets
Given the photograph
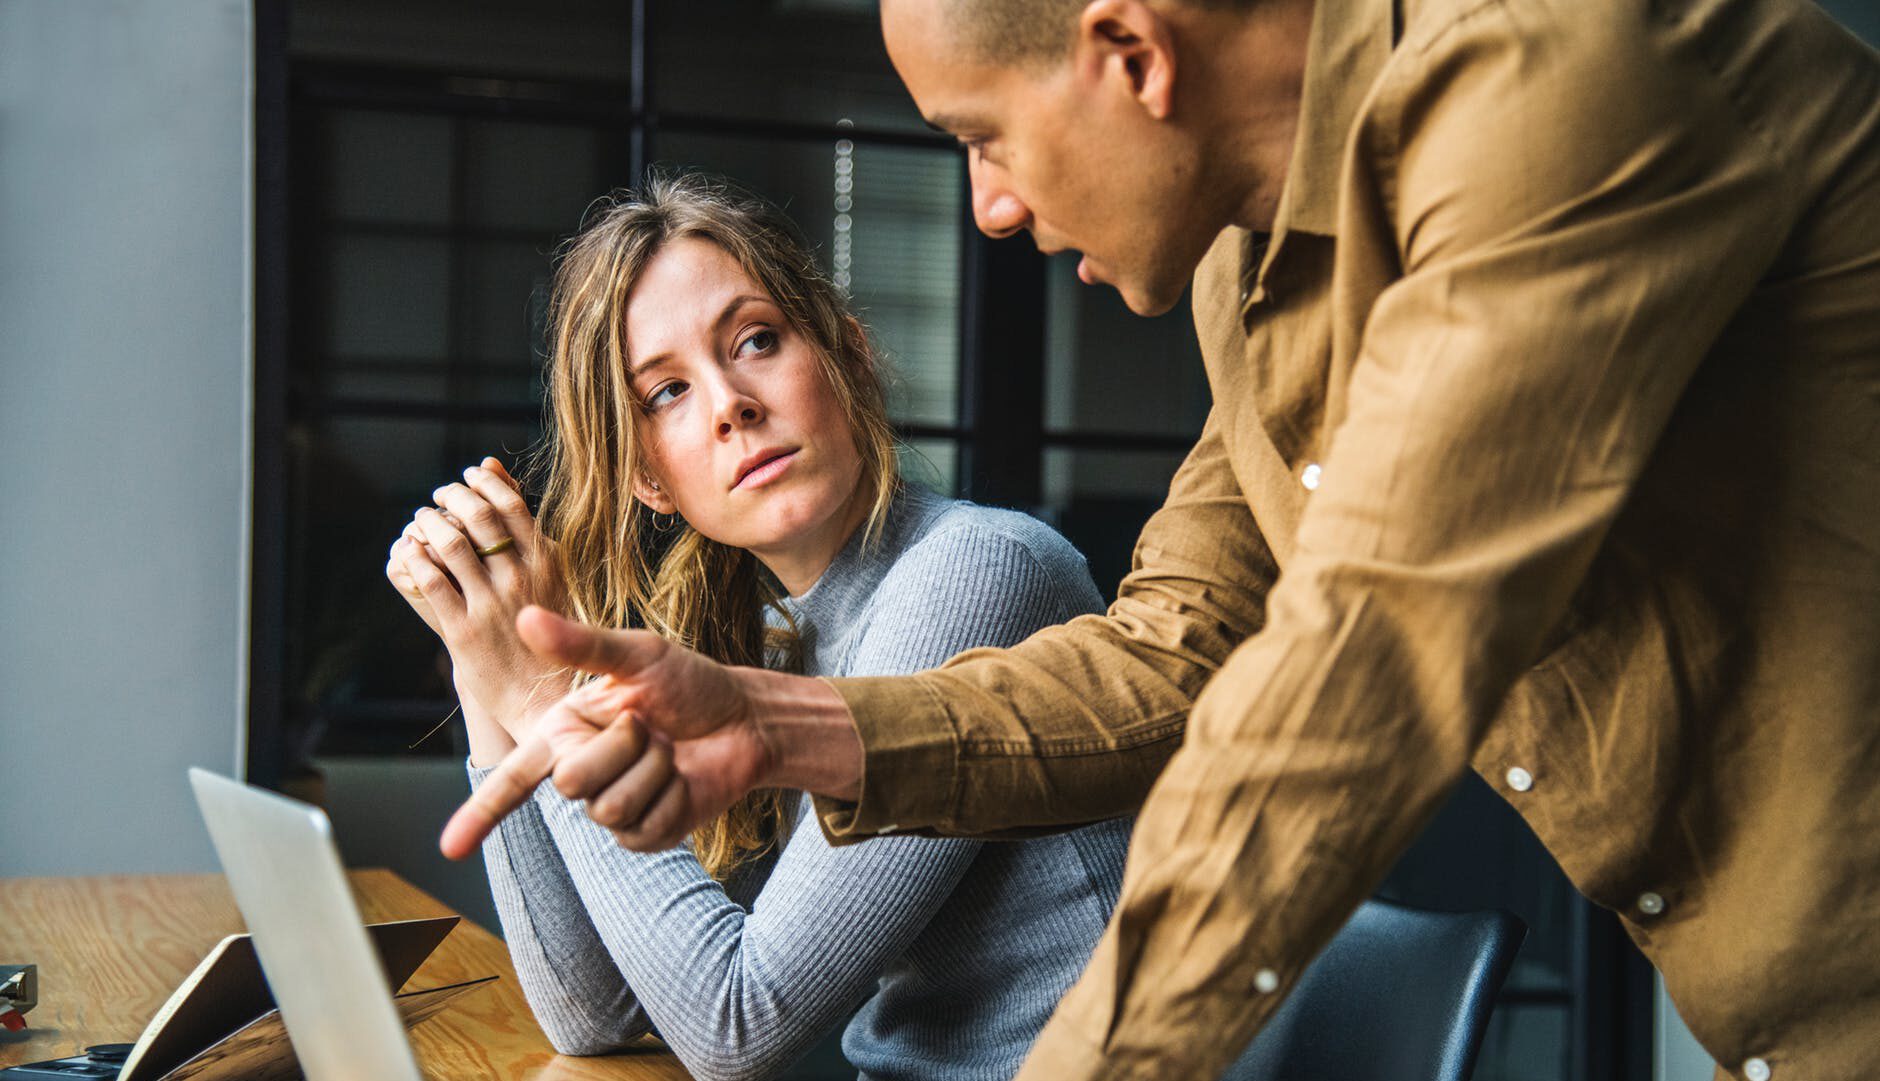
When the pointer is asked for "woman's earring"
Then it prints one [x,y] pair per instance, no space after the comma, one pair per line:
[672,520]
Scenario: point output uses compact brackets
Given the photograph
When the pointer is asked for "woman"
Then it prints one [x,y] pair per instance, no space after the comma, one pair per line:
[708,384]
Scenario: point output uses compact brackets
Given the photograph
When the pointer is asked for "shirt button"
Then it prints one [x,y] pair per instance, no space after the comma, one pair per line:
[1520,780]
[1756,1070]
[1309,477]
[1266,981]
[1650,903]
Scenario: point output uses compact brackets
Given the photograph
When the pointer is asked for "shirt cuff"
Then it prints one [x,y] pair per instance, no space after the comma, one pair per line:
[910,760]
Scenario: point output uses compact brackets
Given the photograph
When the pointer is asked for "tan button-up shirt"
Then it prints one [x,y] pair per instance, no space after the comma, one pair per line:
[1546,439]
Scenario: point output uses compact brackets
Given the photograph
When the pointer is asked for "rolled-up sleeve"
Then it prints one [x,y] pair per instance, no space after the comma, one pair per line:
[1073,724]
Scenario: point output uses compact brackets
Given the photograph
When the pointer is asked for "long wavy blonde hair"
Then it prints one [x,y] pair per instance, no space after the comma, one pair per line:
[620,570]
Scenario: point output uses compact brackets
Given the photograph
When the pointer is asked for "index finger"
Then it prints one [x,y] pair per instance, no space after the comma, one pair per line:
[620,653]
[495,466]
[504,501]
[507,788]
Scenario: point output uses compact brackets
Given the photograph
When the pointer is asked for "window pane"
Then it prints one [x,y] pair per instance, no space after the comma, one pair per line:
[387,351]
[506,288]
[1525,1043]
[933,464]
[398,461]
[904,271]
[798,176]
[355,482]
[530,176]
[800,61]
[391,380]
[1110,370]
[1073,476]
[386,297]
[384,166]
[1099,499]
[549,39]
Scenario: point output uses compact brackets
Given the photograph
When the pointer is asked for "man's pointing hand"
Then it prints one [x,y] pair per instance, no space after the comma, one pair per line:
[664,741]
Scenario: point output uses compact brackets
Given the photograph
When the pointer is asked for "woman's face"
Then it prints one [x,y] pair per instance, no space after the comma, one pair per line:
[740,432]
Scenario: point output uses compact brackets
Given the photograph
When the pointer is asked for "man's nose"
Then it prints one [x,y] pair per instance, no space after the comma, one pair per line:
[996,209]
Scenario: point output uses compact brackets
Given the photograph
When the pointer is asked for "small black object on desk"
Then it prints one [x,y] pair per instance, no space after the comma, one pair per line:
[101,1063]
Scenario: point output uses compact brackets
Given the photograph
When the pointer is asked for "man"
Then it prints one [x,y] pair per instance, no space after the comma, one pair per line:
[1545,349]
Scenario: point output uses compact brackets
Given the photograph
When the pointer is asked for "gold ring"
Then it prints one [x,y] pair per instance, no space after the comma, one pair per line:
[503,545]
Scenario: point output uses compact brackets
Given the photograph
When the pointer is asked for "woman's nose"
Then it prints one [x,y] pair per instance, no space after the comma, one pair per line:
[737,410]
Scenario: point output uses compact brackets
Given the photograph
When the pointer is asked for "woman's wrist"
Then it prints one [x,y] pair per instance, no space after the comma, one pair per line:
[807,729]
[490,742]
[514,704]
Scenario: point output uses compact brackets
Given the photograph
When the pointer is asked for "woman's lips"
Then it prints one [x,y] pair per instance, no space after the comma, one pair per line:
[767,472]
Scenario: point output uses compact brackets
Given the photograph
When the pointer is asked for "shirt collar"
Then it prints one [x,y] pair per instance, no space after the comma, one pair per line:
[1349,43]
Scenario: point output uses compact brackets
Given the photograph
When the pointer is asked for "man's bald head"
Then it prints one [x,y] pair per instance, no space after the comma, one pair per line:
[1086,148]
[1021,32]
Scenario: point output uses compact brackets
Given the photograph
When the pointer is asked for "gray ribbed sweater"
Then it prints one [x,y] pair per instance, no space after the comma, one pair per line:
[956,950]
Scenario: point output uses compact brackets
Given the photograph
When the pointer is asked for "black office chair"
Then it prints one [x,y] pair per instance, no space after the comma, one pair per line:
[1399,995]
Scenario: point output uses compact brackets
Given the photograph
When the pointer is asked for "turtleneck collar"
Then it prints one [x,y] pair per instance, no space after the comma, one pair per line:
[827,610]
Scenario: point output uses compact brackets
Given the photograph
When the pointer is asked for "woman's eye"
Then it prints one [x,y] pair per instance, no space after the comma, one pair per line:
[761,342]
[667,393]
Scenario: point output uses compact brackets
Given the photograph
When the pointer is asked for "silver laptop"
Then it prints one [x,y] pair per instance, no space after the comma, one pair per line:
[287,879]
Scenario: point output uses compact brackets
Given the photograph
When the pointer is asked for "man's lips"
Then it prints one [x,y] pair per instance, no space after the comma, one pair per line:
[1086,271]
[762,466]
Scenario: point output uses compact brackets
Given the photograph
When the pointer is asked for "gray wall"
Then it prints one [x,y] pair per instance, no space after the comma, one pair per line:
[124,367]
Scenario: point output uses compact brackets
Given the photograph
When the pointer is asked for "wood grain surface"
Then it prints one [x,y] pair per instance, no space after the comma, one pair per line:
[110,950]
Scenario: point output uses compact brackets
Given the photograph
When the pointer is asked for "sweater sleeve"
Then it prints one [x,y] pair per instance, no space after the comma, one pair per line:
[740,994]
[980,578]
[743,994]
[575,991]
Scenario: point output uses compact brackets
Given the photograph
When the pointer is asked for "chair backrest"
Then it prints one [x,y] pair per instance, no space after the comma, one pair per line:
[1398,995]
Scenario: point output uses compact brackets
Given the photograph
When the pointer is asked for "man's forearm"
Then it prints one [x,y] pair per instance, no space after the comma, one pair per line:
[809,732]
[1073,724]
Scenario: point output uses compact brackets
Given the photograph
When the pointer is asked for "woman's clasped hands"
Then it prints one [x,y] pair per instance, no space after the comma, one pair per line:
[467,566]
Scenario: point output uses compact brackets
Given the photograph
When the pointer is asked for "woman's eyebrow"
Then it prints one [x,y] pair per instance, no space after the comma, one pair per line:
[724,316]
[737,302]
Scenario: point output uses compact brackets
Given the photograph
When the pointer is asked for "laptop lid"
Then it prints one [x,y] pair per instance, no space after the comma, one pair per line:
[285,873]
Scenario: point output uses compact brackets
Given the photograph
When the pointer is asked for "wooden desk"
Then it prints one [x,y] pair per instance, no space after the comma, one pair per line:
[110,950]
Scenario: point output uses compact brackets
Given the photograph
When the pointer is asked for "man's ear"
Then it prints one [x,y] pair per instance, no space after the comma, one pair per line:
[653,494]
[1130,41]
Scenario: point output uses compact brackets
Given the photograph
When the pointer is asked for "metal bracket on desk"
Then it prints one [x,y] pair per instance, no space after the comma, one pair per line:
[19,992]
